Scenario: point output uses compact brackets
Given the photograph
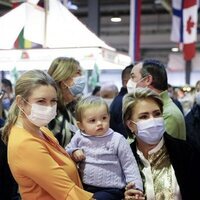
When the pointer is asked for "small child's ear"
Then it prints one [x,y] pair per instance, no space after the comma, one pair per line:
[79,124]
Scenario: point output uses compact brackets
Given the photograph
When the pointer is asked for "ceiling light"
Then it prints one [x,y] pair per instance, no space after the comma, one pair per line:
[116,19]
[71,6]
[174,49]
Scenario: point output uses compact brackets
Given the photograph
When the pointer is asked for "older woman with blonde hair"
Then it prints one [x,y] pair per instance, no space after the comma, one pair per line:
[70,81]
[169,166]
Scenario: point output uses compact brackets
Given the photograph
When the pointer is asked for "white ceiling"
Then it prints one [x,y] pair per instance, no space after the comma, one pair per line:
[155,25]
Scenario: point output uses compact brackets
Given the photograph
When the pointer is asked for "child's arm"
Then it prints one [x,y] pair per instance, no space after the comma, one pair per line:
[129,164]
[78,155]
[73,145]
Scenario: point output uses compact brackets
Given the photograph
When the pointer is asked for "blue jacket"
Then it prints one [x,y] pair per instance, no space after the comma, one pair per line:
[116,122]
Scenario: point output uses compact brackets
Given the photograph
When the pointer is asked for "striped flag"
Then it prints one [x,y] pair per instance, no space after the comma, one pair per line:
[184,25]
[135,23]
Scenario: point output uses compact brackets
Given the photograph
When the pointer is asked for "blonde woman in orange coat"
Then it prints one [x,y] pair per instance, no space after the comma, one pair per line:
[41,167]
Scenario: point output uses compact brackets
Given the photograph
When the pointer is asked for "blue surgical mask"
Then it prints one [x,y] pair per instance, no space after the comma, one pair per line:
[6,103]
[78,86]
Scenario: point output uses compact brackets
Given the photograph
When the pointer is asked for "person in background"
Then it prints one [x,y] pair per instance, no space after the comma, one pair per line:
[174,98]
[192,119]
[108,92]
[6,87]
[169,166]
[41,167]
[152,74]
[116,122]
[96,91]
[70,81]
[2,92]
[8,185]
[106,162]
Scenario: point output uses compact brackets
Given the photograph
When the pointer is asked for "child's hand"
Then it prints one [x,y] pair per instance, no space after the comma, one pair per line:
[78,155]
[133,193]
[130,185]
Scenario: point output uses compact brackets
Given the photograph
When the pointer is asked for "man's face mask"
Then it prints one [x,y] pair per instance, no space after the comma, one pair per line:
[131,85]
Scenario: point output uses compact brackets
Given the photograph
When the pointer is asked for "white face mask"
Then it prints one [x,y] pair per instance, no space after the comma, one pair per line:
[41,115]
[131,85]
[151,130]
[197,98]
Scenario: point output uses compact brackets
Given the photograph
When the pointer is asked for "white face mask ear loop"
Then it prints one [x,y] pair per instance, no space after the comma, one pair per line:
[19,106]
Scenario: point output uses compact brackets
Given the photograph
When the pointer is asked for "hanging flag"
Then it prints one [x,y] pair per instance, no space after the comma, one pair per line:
[135,23]
[184,25]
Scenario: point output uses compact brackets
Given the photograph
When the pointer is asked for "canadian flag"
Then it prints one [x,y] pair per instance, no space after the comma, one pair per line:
[184,25]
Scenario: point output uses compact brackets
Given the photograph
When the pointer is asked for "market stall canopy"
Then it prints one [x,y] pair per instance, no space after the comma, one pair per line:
[57,28]
[26,59]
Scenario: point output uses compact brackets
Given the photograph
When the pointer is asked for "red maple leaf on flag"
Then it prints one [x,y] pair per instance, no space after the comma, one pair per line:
[190,25]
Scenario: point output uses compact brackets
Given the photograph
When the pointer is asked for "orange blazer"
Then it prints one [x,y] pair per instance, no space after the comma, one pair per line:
[42,168]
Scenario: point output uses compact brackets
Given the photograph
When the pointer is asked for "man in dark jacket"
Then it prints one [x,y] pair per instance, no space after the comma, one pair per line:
[192,120]
[116,106]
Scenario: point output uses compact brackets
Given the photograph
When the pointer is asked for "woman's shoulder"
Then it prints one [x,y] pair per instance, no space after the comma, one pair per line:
[21,140]
[48,132]
[17,135]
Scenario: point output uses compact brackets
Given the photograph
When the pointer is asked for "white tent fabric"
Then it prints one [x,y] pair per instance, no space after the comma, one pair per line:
[11,25]
[63,29]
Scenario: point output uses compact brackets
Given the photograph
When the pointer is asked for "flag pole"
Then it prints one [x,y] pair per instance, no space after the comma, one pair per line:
[188,67]
[46,9]
[134,35]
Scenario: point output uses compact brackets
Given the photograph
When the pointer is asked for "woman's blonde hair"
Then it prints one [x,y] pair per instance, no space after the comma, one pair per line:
[24,87]
[130,101]
[61,69]
[88,102]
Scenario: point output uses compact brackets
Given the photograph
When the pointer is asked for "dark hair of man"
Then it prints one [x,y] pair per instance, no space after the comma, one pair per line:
[126,70]
[158,72]
[7,83]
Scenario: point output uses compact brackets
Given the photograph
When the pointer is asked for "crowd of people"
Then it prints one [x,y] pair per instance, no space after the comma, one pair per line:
[59,143]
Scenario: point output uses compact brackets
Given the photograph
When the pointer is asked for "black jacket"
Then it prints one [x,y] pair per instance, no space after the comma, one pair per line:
[185,160]
[192,121]
[8,186]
